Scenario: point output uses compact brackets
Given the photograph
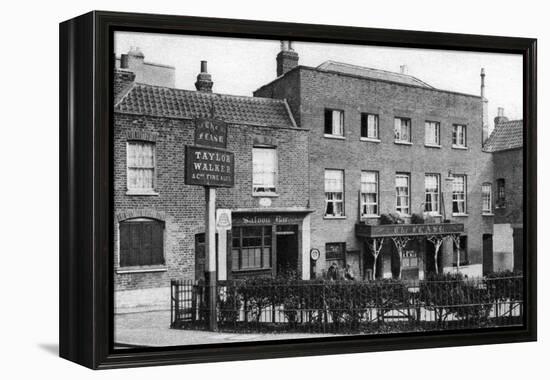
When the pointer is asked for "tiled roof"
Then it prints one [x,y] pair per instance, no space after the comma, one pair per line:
[143,99]
[506,135]
[367,72]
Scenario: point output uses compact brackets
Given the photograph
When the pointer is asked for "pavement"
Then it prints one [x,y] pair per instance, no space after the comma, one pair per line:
[152,329]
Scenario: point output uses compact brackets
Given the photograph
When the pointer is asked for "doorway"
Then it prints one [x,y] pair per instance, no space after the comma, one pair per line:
[287,249]
[487,253]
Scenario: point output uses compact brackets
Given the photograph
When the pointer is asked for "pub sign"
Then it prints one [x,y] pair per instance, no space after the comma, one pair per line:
[211,133]
[209,167]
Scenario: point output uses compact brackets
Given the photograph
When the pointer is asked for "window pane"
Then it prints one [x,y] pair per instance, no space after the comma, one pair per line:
[140,165]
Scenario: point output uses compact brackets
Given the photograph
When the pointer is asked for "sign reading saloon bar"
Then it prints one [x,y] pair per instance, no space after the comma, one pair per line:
[389,230]
[211,133]
[209,167]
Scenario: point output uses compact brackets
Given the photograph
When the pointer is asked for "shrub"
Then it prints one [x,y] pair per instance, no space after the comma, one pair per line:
[417,219]
[391,219]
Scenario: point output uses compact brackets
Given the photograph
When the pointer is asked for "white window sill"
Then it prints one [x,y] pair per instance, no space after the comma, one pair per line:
[142,192]
[460,147]
[370,216]
[265,195]
[369,139]
[433,214]
[460,214]
[399,142]
[143,269]
[336,137]
[334,217]
[432,146]
[487,214]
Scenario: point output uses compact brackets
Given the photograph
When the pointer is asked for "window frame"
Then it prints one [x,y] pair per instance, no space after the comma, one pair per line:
[437,126]
[437,194]
[262,246]
[342,201]
[455,142]
[152,267]
[501,193]
[255,192]
[408,177]
[488,211]
[377,193]
[141,191]
[365,124]
[465,200]
[332,134]
[400,140]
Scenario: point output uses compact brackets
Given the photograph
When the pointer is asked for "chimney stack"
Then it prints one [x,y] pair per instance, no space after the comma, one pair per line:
[484,110]
[500,116]
[134,58]
[204,80]
[287,59]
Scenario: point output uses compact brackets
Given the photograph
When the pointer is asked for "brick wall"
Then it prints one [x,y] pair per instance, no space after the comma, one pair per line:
[508,165]
[181,207]
[353,95]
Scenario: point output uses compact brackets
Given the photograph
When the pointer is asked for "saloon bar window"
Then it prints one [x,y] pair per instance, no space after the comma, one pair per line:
[459,194]
[369,193]
[334,193]
[432,133]
[140,163]
[402,130]
[486,198]
[334,123]
[402,193]
[264,163]
[432,185]
[369,126]
[251,248]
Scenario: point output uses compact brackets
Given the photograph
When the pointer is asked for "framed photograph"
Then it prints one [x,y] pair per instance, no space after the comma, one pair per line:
[237,189]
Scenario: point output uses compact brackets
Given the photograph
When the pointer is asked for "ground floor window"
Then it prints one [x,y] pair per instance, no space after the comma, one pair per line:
[141,242]
[409,259]
[251,248]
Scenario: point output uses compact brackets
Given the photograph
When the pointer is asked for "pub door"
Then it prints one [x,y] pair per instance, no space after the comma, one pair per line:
[287,249]
[487,253]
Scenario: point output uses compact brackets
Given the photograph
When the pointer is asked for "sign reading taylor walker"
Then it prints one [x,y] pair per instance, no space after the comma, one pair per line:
[209,167]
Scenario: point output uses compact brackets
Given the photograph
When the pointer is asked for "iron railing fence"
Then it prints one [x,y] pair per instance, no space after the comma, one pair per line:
[350,306]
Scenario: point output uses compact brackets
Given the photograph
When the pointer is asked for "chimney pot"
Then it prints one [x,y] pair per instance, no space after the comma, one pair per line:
[403,69]
[124,61]
[500,111]
[204,68]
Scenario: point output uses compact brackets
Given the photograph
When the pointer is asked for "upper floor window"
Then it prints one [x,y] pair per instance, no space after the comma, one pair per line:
[369,126]
[486,198]
[432,133]
[264,169]
[501,193]
[402,129]
[141,242]
[140,166]
[432,185]
[402,193]
[369,193]
[459,136]
[334,123]
[334,193]
[459,194]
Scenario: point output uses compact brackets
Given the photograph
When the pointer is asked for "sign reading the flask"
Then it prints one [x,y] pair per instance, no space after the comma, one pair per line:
[211,133]
[209,167]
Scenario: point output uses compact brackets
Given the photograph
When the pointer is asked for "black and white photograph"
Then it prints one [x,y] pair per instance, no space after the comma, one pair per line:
[283,189]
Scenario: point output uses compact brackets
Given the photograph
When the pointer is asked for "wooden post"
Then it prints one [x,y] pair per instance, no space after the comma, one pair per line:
[210,253]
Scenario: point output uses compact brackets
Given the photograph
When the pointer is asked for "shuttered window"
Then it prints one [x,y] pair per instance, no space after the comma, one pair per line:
[141,243]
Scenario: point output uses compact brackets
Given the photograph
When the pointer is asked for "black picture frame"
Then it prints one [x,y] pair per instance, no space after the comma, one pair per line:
[86,307]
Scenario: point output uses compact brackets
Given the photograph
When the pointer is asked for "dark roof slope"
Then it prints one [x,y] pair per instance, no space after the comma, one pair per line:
[368,72]
[143,99]
[506,135]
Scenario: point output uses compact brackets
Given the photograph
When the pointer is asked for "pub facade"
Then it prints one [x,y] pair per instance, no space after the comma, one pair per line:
[388,148]
[159,218]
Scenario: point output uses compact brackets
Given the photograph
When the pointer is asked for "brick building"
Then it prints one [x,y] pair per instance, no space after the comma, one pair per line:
[383,142]
[159,220]
[506,146]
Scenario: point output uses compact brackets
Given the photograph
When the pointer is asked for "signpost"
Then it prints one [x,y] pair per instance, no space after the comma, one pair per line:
[208,164]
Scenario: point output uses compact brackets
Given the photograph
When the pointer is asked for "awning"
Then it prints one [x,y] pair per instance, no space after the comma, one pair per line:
[392,230]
